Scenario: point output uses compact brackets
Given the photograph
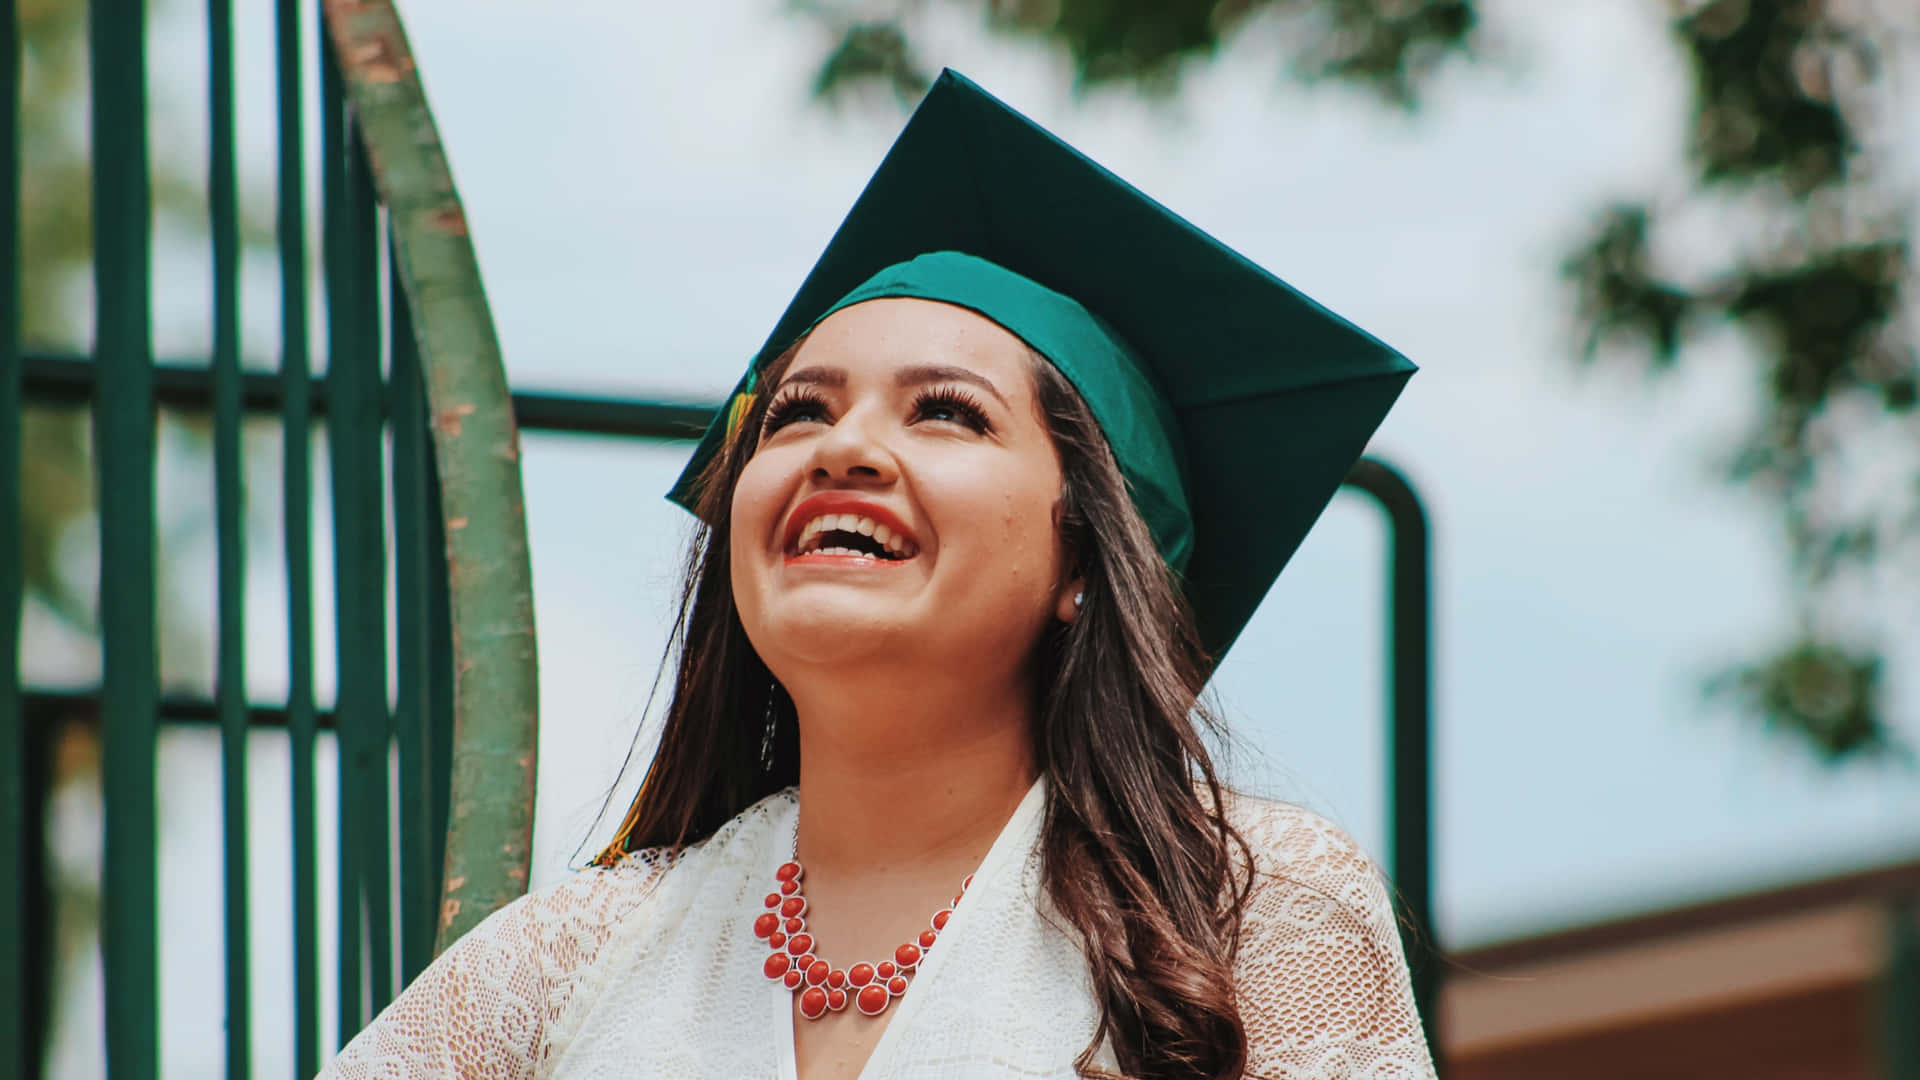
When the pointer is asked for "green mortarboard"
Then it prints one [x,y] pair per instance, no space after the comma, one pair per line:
[1234,405]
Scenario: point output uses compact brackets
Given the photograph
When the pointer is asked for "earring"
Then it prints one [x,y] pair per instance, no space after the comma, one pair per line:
[766,735]
[1078,599]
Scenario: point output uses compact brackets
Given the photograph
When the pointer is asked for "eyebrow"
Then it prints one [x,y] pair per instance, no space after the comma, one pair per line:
[817,376]
[913,375]
[921,374]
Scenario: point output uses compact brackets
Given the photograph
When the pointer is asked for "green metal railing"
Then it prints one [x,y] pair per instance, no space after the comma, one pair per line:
[462,723]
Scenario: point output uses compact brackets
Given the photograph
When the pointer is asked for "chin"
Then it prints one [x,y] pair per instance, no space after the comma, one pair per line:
[824,632]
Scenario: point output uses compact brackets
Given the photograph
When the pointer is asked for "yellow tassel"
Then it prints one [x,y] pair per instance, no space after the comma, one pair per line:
[737,411]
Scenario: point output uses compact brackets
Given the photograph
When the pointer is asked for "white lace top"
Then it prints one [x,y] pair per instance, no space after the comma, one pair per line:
[651,969]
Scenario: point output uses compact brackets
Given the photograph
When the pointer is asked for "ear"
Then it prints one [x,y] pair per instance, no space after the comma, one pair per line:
[1066,605]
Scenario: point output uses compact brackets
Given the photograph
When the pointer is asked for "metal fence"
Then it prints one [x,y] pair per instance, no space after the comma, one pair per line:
[417,422]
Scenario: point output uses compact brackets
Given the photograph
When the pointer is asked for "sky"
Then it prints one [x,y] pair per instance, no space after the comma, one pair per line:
[647,184]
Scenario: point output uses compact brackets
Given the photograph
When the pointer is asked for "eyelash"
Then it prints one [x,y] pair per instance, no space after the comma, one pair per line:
[972,413]
[795,405]
[788,408]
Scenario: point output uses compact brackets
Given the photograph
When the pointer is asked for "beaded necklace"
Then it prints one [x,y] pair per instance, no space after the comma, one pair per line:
[822,987]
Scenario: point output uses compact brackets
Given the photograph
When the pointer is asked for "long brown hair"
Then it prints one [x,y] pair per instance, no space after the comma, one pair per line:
[1137,858]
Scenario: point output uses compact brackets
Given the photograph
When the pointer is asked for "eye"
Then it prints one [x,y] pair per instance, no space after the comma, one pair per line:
[951,405]
[793,407]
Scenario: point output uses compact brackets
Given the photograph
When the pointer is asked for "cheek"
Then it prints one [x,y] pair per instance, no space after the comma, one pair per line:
[1008,530]
[756,502]
[756,499]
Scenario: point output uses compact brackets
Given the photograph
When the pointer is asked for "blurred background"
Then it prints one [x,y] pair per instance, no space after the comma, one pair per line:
[1652,256]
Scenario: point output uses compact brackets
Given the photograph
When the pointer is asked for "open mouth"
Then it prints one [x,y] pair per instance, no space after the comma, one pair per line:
[852,536]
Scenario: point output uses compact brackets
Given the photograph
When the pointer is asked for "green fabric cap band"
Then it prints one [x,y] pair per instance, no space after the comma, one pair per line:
[1133,414]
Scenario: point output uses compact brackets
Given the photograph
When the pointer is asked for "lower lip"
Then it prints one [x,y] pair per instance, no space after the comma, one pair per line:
[848,562]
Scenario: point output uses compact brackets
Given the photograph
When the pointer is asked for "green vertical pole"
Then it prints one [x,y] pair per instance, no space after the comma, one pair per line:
[1410,711]
[230,683]
[297,485]
[355,444]
[333,123]
[372,718]
[123,427]
[414,562]
[19,1052]
[1900,991]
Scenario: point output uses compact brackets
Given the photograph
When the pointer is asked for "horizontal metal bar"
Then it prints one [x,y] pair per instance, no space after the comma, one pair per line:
[65,379]
[174,709]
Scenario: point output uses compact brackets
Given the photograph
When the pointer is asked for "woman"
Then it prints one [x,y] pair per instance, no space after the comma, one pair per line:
[930,800]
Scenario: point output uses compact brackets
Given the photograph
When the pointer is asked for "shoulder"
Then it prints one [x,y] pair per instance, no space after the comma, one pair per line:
[487,1005]
[554,933]
[598,894]
[570,920]
[1323,983]
[1313,891]
[1299,852]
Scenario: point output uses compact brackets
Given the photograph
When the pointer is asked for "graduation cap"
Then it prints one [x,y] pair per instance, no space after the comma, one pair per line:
[1234,405]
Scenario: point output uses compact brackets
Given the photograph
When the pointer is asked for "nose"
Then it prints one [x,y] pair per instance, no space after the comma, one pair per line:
[852,453]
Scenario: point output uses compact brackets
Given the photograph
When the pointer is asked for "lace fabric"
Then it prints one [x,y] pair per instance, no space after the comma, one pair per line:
[649,969]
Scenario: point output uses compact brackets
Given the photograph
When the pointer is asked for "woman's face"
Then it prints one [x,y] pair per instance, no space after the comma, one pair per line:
[900,506]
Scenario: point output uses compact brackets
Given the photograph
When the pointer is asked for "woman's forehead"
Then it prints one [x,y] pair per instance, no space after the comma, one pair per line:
[879,336]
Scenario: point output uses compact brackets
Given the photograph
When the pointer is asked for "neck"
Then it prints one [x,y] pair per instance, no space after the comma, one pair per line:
[894,775]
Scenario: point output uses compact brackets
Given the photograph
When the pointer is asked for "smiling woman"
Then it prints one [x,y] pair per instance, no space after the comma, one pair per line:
[932,799]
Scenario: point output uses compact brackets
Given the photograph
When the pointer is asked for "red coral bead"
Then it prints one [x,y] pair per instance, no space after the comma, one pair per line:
[836,978]
[927,938]
[813,1003]
[956,900]
[967,884]
[793,906]
[805,962]
[766,924]
[773,899]
[940,918]
[860,974]
[817,972]
[776,939]
[789,871]
[799,943]
[897,985]
[788,888]
[884,970]
[793,978]
[836,1000]
[872,999]
[794,926]
[777,965]
[907,956]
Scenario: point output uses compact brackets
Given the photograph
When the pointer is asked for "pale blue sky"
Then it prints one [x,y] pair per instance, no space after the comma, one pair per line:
[647,184]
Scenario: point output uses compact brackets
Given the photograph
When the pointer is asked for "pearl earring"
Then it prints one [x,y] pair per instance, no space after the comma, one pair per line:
[1078,599]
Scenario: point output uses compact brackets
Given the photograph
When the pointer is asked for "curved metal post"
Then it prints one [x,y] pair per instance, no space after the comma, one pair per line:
[1410,705]
[477,451]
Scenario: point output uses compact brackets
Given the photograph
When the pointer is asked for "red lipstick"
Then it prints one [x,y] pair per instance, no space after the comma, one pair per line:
[841,502]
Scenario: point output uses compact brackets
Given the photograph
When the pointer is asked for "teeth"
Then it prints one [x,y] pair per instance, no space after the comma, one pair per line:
[895,544]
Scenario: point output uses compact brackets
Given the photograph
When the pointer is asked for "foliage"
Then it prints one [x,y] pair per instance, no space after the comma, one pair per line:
[1387,47]
[1784,110]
